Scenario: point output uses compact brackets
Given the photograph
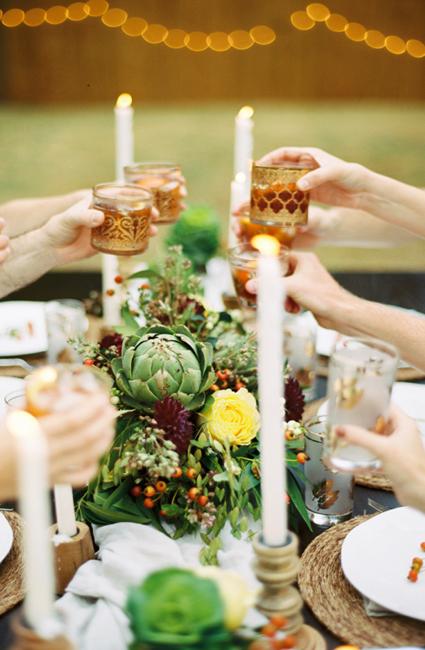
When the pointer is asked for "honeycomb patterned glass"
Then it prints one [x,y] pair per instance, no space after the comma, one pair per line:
[275,198]
[128,213]
[165,181]
[243,264]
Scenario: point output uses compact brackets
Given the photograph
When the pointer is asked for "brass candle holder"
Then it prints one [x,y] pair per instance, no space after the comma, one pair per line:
[276,567]
[70,554]
[27,639]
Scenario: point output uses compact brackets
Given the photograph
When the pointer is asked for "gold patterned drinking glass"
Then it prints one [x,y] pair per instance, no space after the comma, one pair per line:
[275,198]
[243,264]
[128,213]
[361,376]
[165,181]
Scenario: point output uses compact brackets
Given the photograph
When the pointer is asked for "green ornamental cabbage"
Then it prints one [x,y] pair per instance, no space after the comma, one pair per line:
[158,362]
[174,608]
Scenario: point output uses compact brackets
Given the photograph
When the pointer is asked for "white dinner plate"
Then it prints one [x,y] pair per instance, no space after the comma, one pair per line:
[8,385]
[376,558]
[22,328]
[6,537]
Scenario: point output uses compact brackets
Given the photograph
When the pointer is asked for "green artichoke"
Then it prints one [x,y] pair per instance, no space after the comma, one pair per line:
[174,608]
[159,362]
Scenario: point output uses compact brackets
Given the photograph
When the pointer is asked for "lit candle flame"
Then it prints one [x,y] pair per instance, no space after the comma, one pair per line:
[266,244]
[124,100]
[240,178]
[246,112]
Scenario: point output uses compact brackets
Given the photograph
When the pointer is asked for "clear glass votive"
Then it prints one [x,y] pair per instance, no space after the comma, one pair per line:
[361,376]
[243,261]
[275,198]
[55,388]
[328,494]
[300,352]
[165,181]
[128,213]
[246,230]
[65,320]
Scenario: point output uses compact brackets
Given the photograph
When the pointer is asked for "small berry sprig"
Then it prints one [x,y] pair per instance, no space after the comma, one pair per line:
[416,566]
[273,636]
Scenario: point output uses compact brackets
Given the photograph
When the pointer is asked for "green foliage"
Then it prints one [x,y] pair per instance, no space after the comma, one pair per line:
[198,232]
[174,608]
[182,349]
[158,362]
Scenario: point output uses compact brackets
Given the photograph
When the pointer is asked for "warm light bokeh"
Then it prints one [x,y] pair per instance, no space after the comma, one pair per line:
[266,244]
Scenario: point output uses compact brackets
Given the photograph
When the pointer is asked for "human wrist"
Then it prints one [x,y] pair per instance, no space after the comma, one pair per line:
[348,310]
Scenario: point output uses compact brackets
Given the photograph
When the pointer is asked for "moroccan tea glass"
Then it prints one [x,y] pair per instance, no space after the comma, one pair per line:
[128,213]
[66,322]
[165,181]
[243,261]
[328,494]
[275,198]
[300,352]
[361,376]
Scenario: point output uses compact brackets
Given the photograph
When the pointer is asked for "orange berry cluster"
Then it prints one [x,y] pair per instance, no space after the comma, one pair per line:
[226,379]
[271,632]
[415,568]
[153,492]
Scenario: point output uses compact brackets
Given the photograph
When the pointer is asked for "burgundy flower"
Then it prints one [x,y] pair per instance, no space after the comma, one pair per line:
[111,340]
[294,400]
[172,417]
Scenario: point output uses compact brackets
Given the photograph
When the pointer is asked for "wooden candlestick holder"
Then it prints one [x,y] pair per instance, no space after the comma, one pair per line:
[27,639]
[276,567]
[69,555]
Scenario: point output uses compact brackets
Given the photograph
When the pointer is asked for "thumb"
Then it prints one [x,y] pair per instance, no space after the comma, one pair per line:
[319,176]
[362,437]
[81,215]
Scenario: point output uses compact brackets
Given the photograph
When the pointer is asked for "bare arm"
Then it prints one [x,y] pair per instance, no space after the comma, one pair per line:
[336,182]
[312,287]
[23,215]
[349,227]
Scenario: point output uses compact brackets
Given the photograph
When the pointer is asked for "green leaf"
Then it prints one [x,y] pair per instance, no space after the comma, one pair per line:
[145,273]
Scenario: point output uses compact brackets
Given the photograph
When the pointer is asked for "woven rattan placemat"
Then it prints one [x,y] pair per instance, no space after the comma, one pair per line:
[339,606]
[376,481]
[11,570]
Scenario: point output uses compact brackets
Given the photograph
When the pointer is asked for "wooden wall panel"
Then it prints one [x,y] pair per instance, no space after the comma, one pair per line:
[87,62]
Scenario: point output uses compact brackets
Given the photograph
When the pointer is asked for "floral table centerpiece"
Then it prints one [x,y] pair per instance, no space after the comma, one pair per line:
[186,453]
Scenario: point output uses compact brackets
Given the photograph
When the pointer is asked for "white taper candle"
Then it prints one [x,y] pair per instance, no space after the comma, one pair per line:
[271,391]
[64,508]
[34,508]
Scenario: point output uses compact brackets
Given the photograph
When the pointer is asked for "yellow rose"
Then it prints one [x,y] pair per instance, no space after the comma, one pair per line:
[231,417]
[237,596]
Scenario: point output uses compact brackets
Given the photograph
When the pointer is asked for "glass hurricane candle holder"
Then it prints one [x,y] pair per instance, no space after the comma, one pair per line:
[128,213]
[275,198]
[328,494]
[165,181]
[361,376]
[243,261]
[300,352]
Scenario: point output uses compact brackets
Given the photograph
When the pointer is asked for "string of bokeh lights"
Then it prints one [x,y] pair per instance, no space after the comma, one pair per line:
[317,12]
[154,34]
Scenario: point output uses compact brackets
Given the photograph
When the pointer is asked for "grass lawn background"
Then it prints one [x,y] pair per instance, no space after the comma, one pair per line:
[53,150]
